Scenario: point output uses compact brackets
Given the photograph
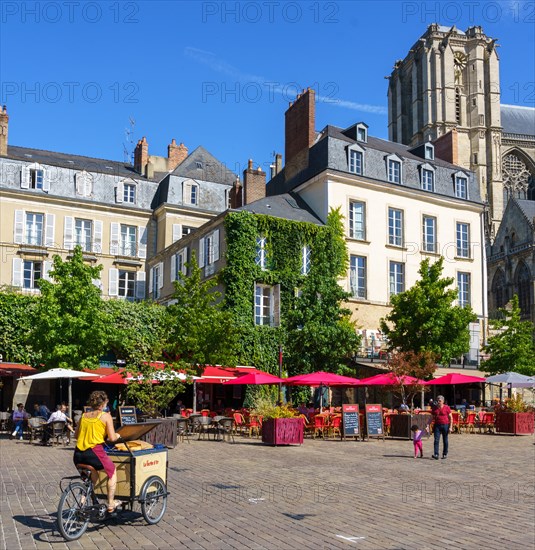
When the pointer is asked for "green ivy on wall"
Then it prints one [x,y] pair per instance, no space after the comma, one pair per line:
[315,330]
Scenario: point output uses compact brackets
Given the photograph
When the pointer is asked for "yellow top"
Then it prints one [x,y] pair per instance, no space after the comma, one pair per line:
[92,432]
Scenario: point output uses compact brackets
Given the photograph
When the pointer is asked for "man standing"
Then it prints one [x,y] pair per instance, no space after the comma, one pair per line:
[443,423]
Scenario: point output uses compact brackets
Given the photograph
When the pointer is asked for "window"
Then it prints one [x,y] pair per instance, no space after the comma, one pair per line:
[264,305]
[84,183]
[186,230]
[127,285]
[129,193]
[463,240]
[357,220]
[33,271]
[355,162]
[36,178]
[34,229]
[194,195]
[198,165]
[394,171]
[397,278]
[361,134]
[428,180]
[260,259]
[395,227]
[463,287]
[305,260]
[127,244]
[357,276]
[82,234]
[156,283]
[429,242]
[461,187]
[429,152]
[179,264]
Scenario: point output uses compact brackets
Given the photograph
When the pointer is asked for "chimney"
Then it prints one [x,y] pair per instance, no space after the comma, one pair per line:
[4,120]
[236,194]
[254,184]
[300,132]
[175,154]
[149,172]
[141,156]
[447,148]
[278,163]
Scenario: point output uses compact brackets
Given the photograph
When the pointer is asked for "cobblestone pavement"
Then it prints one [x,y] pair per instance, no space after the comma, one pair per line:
[322,495]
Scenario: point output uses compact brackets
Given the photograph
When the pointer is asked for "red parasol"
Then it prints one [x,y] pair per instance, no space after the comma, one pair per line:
[256,378]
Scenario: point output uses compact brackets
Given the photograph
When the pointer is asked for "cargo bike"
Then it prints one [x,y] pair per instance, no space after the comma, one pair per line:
[141,478]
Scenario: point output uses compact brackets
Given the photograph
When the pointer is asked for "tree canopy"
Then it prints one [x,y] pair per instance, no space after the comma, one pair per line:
[512,347]
[424,319]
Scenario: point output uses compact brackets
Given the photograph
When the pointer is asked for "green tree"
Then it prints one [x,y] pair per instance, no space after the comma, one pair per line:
[70,326]
[512,347]
[200,331]
[16,313]
[423,318]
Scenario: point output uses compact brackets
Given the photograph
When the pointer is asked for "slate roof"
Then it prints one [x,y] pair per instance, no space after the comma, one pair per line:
[202,165]
[73,162]
[518,120]
[528,208]
[288,206]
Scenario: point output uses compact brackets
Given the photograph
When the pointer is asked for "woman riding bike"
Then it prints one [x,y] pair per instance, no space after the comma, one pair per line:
[93,429]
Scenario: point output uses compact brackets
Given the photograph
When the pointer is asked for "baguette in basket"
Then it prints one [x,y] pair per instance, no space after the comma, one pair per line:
[136,445]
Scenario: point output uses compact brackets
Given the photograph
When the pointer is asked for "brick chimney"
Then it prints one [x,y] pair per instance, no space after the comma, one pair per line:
[4,122]
[236,194]
[141,155]
[300,119]
[447,148]
[254,184]
[175,154]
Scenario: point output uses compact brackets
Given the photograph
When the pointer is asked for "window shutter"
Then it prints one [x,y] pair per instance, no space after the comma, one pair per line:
[160,279]
[19,227]
[184,254]
[17,272]
[177,232]
[140,285]
[49,231]
[200,259]
[173,267]
[79,181]
[114,239]
[47,266]
[215,246]
[97,237]
[151,279]
[276,305]
[186,199]
[97,283]
[113,283]
[68,232]
[88,188]
[142,242]
[46,181]
[25,178]
[119,192]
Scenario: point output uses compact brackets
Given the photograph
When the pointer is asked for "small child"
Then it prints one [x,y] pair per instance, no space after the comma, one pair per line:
[417,435]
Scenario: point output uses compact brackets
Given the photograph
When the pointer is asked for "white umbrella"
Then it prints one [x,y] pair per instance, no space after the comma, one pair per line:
[515,379]
[55,374]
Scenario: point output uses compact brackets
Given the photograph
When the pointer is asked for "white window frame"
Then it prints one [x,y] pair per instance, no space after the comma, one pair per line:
[127,239]
[429,234]
[87,242]
[129,193]
[261,252]
[355,160]
[357,227]
[266,305]
[32,280]
[461,189]
[429,151]
[362,133]
[391,162]
[396,277]
[156,280]
[39,236]
[84,183]
[427,178]
[123,289]
[306,255]
[178,264]
[462,237]
[396,228]
[358,276]
[464,281]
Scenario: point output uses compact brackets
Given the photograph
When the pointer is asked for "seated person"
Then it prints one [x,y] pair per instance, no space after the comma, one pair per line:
[40,409]
[58,416]
[19,416]
[404,408]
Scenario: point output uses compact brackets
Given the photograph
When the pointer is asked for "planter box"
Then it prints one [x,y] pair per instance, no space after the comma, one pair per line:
[164,433]
[282,431]
[400,424]
[514,423]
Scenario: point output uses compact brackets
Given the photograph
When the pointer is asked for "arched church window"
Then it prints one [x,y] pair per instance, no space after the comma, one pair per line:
[517,179]
[498,290]
[522,288]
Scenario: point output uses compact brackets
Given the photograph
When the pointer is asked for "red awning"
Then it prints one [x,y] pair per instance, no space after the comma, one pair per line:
[218,375]
[16,369]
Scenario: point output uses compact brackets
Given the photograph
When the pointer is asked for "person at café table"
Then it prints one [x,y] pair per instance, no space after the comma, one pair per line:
[443,424]
[58,416]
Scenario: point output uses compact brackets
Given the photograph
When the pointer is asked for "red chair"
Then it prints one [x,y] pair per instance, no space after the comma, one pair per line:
[205,412]
[456,426]
[239,422]
[335,423]
[320,424]
[254,424]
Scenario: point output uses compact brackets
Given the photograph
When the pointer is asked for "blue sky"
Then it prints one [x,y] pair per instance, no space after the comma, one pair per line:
[221,74]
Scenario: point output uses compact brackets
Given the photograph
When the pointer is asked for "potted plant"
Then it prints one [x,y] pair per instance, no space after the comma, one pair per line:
[514,416]
[280,424]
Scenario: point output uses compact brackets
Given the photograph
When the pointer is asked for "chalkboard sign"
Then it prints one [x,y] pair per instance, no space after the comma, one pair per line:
[127,415]
[350,421]
[374,421]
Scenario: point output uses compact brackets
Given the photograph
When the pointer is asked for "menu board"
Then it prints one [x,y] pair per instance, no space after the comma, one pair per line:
[374,420]
[350,421]
[127,415]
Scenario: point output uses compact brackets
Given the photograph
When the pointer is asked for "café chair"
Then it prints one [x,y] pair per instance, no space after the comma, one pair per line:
[36,426]
[57,431]
[182,429]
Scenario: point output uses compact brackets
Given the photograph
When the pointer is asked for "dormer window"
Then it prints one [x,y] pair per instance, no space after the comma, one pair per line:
[461,185]
[84,183]
[36,179]
[191,192]
[394,169]
[427,177]
[355,160]
[429,152]
[129,193]
[362,132]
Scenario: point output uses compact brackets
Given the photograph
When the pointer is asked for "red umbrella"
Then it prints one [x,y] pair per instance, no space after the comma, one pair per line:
[255,378]
[321,379]
[454,378]
[120,377]
[389,379]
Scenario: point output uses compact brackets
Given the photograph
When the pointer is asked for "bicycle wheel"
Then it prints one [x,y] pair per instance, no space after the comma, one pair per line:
[72,517]
[153,499]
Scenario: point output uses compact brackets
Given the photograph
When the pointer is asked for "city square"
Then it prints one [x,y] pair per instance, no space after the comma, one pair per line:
[322,494]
